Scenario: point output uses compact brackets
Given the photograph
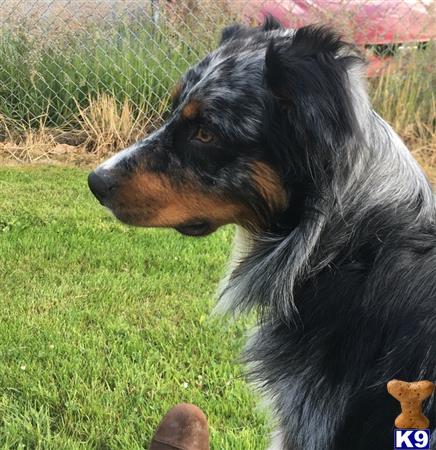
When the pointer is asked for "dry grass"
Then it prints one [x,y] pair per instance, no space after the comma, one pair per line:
[102,128]
[426,156]
[27,146]
[404,95]
[109,127]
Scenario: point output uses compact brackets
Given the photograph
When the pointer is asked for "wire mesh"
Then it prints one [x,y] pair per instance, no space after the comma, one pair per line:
[58,56]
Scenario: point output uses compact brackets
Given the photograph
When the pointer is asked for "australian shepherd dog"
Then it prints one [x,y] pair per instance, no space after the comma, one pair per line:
[335,246]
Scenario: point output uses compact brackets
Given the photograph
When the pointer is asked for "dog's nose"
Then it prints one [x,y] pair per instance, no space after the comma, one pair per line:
[101,185]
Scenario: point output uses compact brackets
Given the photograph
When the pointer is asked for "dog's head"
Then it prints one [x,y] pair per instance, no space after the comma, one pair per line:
[252,126]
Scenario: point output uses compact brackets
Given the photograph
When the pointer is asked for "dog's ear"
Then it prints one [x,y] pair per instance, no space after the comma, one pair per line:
[237,30]
[271,23]
[232,32]
[308,75]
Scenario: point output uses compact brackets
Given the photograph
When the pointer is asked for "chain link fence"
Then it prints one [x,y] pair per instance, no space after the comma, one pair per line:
[66,63]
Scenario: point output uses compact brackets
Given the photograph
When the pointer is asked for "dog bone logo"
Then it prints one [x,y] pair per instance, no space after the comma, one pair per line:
[411,396]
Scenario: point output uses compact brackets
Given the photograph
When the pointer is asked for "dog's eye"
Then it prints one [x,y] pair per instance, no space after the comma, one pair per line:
[204,136]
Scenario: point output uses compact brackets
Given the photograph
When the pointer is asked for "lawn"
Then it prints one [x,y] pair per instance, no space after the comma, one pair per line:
[105,327]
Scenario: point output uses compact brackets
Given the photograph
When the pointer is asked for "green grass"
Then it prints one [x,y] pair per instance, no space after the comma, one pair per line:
[102,325]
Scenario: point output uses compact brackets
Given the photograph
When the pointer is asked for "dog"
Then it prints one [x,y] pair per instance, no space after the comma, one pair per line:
[336,226]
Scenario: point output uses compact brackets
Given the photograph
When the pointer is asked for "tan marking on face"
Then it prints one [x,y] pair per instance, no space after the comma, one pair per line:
[191,109]
[151,200]
[269,185]
[176,91]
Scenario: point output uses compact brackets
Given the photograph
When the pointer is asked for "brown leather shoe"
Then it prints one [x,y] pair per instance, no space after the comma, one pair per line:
[183,428]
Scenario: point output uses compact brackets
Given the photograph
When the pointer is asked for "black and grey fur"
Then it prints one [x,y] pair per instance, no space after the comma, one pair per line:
[343,277]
